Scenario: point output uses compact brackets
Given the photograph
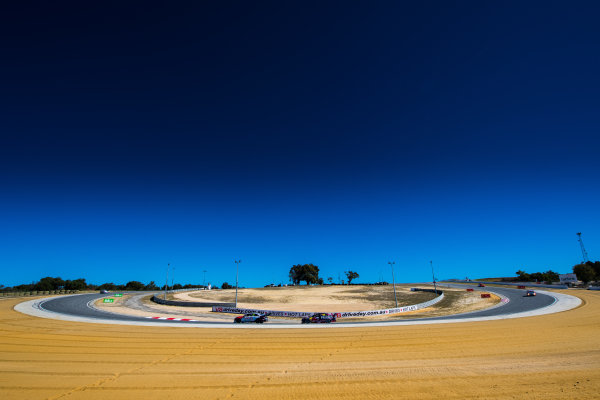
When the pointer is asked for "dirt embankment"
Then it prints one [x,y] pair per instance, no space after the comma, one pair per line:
[552,357]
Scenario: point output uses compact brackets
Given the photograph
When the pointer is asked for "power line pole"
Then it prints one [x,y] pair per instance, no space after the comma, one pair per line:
[394,281]
[204,280]
[583,252]
[237,267]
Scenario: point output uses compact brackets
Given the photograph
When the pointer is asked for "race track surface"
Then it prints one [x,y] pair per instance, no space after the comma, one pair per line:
[79,306]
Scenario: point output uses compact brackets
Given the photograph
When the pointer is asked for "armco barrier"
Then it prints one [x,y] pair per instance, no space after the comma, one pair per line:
[532,284]
[189,303]
[299,314]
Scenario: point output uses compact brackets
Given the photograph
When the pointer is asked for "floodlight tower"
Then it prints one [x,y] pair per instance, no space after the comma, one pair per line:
[167,281]
[237,268]
[394,281]
[433,276]
[583,252]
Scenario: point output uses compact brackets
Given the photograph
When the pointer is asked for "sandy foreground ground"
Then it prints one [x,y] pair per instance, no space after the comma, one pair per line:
[553,356]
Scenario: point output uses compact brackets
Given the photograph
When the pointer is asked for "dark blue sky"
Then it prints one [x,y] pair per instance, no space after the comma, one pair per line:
[340,134]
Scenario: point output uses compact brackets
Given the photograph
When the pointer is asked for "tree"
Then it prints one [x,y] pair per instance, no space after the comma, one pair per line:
[108,286]
[49,283]
[351,275]
[523,276]
[134,285]
[151,286]
[596,267]
[548,276]
[77,284]
[330,280]
[551,276]
[584,272]
[304,272]
[226,285]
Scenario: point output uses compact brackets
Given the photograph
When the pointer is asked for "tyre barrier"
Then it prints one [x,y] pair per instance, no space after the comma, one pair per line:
[534,284]
[350,314]
[485,295]
[470,290]
[164,302]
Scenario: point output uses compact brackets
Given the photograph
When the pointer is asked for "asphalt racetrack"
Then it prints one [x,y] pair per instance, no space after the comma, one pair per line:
[79,306]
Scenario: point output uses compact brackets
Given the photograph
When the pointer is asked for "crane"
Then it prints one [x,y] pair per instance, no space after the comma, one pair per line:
[583,252]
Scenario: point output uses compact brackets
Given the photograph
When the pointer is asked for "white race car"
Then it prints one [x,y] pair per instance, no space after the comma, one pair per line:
[251,317]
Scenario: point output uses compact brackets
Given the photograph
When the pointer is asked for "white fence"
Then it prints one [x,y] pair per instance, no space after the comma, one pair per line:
[351,314]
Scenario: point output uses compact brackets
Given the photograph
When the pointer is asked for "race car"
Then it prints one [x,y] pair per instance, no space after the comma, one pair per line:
[251,317]
[319,318]
[530,293]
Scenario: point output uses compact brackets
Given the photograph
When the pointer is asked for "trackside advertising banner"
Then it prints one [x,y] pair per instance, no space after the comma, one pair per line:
[352,314]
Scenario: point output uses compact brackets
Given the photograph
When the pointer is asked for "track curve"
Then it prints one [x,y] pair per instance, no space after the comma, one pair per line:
[515,304]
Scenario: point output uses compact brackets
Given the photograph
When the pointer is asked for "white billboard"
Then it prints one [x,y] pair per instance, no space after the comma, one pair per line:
[300,314]
[568,278]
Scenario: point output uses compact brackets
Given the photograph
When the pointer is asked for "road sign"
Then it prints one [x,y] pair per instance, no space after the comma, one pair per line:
[108,300]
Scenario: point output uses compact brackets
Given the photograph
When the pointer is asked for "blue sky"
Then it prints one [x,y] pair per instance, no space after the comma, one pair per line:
[340,135]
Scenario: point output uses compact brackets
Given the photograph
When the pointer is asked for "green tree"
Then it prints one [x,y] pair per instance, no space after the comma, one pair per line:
[596,267]
[226,285]
[351,275]
[551,276]
[134,285]
[304,272]
[523,276]
[584,272]
[77,284]
[538,277]
[108,286]
[151,286]
[49,283]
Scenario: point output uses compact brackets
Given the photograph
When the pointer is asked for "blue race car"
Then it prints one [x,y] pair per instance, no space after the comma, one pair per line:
[319,318]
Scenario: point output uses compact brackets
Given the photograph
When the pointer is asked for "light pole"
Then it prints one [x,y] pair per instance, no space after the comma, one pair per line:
[433,276]
[204,280]
[167,281]
[394,281]
[237,268]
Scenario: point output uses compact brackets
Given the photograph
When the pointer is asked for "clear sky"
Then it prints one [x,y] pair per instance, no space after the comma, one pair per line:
[136,134]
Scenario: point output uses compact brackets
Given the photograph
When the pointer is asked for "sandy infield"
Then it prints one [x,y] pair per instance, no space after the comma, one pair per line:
[553,356]
[307,299]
